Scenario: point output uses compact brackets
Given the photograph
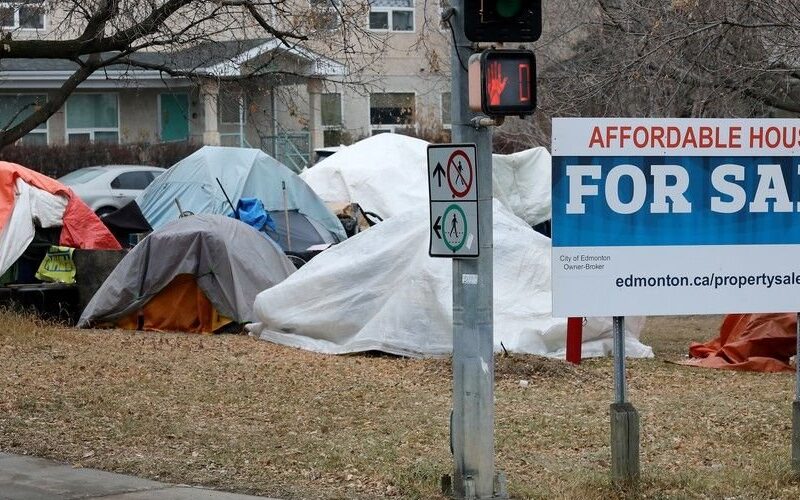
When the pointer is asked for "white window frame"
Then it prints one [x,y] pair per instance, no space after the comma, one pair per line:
[340,126]
[390,14]
[241,115]
[46,129]
[388,127]
[16,6]
[341,112]
[92,131]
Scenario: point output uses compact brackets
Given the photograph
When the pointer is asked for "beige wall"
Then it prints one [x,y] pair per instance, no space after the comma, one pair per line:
[415,62]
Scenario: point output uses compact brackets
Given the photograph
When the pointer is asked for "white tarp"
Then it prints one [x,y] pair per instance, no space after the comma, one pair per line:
[30,204]
[381,291]
[387,174]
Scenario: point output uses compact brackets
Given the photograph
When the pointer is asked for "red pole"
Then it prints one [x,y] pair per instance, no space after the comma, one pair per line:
[574,339]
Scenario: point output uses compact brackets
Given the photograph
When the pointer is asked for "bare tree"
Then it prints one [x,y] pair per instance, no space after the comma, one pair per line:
[682,58]
[98,34]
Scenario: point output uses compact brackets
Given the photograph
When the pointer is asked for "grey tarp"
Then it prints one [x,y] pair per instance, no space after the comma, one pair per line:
[231,261]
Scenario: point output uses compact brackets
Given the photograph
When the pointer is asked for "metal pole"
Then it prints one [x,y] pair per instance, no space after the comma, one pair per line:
[274,111]
[624,418]
[797,364]
[472,423]
[286,218]
[619,360]
[796,406]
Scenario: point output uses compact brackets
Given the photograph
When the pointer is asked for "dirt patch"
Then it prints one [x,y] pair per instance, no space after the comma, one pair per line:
[524,367]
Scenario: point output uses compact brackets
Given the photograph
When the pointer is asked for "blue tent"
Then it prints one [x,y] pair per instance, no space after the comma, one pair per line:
[244,173]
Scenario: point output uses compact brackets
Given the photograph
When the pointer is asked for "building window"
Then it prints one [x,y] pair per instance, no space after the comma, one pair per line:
[25,15]
[390,111]
[446,110]
[231,108]
[326,14]
[14,108]
[92,118]
[332,119]
[443,6]
[332,110]
[391,15]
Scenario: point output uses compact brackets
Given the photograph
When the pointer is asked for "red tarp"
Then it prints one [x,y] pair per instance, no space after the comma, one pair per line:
[750,342]
[81,227]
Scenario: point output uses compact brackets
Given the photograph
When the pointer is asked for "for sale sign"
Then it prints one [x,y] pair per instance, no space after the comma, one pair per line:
[675,216]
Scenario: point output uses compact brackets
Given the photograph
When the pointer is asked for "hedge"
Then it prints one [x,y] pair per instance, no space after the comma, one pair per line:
[56,161]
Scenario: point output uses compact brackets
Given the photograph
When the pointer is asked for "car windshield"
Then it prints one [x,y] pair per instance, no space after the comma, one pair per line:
[81,176]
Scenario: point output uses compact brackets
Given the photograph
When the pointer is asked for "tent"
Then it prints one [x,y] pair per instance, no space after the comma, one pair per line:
[194,274]
[749,342]
[387,174]
[380,290]
[30,201]
[243,173]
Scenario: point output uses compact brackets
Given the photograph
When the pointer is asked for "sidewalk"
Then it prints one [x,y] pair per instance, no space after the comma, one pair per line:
[31,478]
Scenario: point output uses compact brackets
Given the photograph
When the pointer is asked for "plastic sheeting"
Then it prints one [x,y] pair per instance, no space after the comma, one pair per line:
[749,342]
[52,204]
[30,204]
[244,173]
[18,232]
[381,291]
[387,174]
[231,261]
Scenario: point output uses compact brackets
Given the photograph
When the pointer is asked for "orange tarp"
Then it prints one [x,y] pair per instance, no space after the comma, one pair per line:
[749,342]
[81,227]
[180,307]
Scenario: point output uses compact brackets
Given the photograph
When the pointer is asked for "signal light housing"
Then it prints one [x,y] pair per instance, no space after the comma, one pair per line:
[503,20]
[502,82]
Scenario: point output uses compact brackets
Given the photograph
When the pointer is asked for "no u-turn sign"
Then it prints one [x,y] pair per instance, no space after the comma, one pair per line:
[453,200]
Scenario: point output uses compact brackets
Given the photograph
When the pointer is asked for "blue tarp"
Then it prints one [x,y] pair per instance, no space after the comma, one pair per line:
[244,173]
[251,211]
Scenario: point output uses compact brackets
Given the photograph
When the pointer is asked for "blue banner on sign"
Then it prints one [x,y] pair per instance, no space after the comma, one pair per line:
[647,201]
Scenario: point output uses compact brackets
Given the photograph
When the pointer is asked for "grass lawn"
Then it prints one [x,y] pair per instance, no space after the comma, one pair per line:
[239,414]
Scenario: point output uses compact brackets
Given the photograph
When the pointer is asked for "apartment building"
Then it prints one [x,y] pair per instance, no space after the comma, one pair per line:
[244,90]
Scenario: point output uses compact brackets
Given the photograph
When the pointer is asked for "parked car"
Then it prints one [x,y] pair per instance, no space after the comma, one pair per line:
[109,187]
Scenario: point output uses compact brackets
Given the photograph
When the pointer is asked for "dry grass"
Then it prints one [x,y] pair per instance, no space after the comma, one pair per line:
[239,414]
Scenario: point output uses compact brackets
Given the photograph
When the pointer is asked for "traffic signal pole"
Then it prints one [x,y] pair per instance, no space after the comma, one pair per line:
[472,420]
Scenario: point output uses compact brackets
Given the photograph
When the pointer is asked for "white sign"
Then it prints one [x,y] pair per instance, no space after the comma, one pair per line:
[453,192]
[675,216]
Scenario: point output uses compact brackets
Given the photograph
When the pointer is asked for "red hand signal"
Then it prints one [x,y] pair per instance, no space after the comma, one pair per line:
[496,84]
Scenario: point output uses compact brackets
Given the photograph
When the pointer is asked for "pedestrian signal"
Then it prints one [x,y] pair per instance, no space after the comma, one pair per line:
[503,82]
[503,20]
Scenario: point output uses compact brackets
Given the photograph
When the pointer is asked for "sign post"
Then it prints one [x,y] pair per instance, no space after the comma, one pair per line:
[796,406]
[472,417]
[624,417]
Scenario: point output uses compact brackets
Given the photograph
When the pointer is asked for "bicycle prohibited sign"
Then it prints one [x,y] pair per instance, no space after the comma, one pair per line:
[453,200]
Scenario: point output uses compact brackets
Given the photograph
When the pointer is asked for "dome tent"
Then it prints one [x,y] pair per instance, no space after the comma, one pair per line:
[243,173]
[193,274]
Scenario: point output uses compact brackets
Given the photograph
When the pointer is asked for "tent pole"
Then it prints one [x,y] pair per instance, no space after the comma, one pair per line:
[286,216]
